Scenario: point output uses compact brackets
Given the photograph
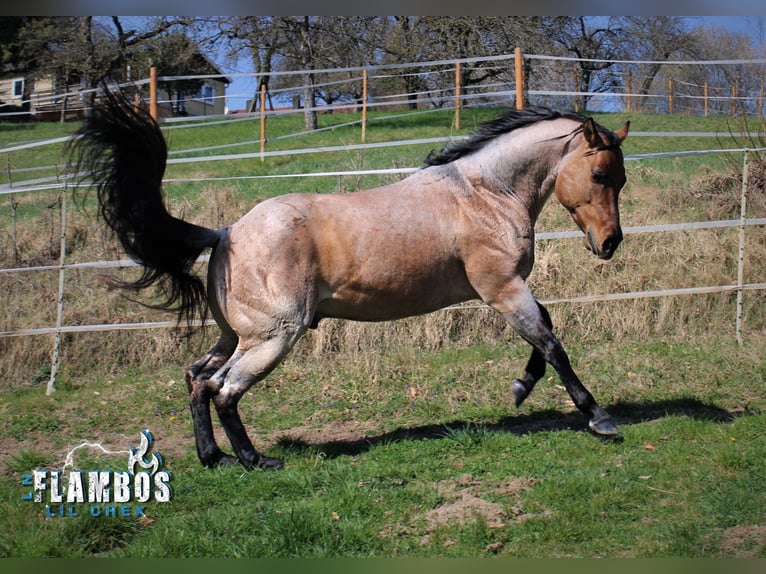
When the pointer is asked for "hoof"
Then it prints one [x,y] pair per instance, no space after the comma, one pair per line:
[604,427]
[519,391]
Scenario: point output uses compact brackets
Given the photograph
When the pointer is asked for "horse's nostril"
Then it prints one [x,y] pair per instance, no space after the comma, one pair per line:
[609,246]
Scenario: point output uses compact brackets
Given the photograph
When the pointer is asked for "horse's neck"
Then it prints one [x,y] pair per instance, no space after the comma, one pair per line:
[522,166]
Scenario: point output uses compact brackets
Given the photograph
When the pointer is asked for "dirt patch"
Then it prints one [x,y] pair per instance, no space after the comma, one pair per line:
[744,541]
[464,505]
[464,502]
[468,499]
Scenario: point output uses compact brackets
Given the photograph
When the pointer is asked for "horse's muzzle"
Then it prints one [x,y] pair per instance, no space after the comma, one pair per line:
[607,247]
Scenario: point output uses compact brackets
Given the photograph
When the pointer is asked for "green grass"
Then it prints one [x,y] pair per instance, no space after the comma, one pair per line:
[686,473]
[401,442]
[383,126]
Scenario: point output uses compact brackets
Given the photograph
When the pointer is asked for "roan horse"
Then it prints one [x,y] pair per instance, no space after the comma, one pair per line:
[460,228]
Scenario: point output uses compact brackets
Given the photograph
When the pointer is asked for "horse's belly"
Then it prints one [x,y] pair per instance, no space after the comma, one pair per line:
[394,295]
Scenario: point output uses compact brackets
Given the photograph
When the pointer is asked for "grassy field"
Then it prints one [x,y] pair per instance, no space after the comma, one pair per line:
[402,439]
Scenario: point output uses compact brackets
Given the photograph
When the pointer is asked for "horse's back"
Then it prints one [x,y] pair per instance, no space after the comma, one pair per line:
[377,254]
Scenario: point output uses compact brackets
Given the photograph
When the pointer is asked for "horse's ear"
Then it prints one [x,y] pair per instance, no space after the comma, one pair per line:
[622,133]
[591,134]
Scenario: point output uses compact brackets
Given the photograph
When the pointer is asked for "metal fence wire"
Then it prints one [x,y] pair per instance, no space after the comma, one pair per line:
[62,186]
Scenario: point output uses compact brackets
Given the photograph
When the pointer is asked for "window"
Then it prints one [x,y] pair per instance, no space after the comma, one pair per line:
[206,94]
[18,88]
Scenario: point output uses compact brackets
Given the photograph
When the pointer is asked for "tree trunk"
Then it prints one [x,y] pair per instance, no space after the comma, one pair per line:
[87,35]
[309,102]
[307,59]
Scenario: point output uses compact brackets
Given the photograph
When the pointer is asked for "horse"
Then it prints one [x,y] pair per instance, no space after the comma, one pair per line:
[460,228]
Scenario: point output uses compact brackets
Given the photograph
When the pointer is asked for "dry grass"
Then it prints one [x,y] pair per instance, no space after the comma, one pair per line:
[563,269]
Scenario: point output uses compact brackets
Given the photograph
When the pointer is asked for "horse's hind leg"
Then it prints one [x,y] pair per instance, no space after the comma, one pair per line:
[201,390]
[535,370]
[246,367]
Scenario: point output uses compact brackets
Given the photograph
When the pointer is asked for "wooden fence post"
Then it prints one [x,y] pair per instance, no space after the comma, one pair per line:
[670,95]
[14,212]
[519,60]
[629,91]
[64,108]
[153,92]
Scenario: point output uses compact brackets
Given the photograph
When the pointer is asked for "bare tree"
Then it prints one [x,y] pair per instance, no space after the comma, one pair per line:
[728,83]
[278,42]
[478,36]
[403,45]
[423,38]
[85,49]
[656,39]
[261,39]
[174,54]
[299,32]
[349,42]
[601,46]
[596,42]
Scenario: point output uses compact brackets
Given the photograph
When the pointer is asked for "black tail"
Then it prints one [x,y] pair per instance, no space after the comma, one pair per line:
[122,150]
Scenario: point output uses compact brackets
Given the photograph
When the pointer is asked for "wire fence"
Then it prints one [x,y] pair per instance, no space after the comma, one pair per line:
[497,93]
[62,267]
[701,87]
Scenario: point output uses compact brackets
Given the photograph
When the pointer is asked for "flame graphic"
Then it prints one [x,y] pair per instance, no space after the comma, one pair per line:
[139,456]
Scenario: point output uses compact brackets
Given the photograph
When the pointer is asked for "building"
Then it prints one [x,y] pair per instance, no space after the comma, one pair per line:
[49,98]
[208,100]
[11,93]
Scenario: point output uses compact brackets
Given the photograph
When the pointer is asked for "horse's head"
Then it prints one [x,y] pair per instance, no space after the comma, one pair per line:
[588,184]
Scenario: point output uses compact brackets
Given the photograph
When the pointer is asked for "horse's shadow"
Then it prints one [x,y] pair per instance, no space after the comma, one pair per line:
[624,412]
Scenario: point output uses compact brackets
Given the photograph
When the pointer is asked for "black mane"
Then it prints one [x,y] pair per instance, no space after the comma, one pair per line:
[509,121]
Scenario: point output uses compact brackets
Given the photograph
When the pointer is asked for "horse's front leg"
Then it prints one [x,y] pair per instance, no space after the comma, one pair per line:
[535,370]
[201,391]
[522,311]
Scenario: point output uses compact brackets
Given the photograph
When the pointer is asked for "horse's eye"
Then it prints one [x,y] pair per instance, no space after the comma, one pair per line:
[598,176]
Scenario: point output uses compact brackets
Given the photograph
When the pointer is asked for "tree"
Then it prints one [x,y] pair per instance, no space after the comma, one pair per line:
[10,26]
[349,42]
[424,38]
[85,49]
[174,54]
[477,36]
[596,42]
[258,36]
[62,48]
[724,80]
[298,32]
[656,39]
[10,51]
[403,45]
[278,41]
